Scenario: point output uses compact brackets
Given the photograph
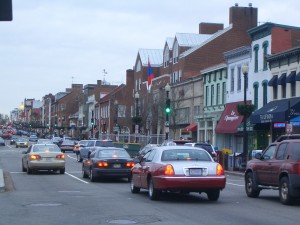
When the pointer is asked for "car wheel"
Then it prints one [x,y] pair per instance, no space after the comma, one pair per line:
[62,171]
[79,159]
[284,192]
[84,175]
[154,194]
[213,195]
[92,178]
[250,188]
[23,168]
[133,188]
[29,171]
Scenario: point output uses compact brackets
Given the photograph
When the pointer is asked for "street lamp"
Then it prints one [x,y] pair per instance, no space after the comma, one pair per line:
[168,110]
[136,96]
[245,70]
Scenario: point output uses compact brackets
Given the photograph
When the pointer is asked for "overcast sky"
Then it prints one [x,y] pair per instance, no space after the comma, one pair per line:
[52,43]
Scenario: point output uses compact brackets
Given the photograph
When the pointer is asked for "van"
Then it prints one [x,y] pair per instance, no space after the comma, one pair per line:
[208,147]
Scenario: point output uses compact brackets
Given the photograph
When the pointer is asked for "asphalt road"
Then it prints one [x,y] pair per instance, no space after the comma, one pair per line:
[55,199]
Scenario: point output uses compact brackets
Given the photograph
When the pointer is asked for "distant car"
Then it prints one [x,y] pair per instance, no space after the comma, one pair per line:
[13,140]
[44,141]
[168,143]
[107,162]
[56,140]
[2,142]
[33,138]
[21,143]
[6,135]
[43,157]
[92,145]
[67,145]
[146,149]
[78,147]
[208,147]
[179,169]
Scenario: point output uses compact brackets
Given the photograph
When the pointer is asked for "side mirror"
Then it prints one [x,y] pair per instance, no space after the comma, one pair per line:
[258,155]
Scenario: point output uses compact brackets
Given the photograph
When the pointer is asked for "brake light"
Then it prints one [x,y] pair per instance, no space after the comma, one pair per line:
[102,164]
[60,157]
[35,157]
[220,170]
[130,164]
[169,170]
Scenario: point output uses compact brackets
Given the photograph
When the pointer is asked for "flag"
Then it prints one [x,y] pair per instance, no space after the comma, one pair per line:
[150,75]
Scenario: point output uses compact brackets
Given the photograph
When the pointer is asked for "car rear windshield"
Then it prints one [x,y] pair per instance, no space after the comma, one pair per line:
[184,154]
[295,147]
[46,148]
[104,143]
[205,147]
[113,154]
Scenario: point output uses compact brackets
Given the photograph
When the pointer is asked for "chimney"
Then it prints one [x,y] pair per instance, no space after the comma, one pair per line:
[210,28]
[99,82]
[243,18]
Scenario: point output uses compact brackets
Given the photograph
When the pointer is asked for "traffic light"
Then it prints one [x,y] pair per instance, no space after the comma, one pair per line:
[168,106]
[92,121]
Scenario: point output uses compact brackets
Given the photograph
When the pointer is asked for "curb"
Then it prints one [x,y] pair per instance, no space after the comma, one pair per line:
[2,186]
[228,172]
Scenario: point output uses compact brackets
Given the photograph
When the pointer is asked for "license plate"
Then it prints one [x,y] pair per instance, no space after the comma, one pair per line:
[117,165]
[47,159]
[196,172]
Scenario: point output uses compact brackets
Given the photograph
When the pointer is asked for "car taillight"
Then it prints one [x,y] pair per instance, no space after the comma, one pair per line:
[169,170]
[130,164]
[102,164]
[60,156]
[35,157]
[220,170]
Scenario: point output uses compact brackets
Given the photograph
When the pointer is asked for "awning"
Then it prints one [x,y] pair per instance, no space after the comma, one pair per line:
[230,119]
[277,111]
[291,78]
[273,81]
[298,77]
[191,127]
[282,79]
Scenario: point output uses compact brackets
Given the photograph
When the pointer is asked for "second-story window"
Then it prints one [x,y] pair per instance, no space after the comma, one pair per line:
[218,94]
[265,52]
[166,57]
[206,95]
[255,49]
[224,92]
[265,92]
[255,86]
[212,97]
[239,80]
[232,80]
[175,52]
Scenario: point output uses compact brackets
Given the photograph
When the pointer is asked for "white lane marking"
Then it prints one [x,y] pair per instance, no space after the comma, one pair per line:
[239,185]
[76,178]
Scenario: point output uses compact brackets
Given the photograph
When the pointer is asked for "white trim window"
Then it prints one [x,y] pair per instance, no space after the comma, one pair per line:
[138,66]
[175,52]
[166,57]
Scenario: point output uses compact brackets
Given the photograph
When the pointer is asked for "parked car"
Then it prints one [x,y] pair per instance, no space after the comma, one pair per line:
[33,138]
[78,147]
[180,169]
[43,141]
[2,142]
[107,162]
[92,145]
[277,167]
[208,147]
[43,157]
[21,143]
[67,145]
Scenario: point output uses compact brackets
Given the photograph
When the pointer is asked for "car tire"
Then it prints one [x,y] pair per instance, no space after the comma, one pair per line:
[213,195]
[79,159]
[154,193]
[92,177]
[133,188]
[29,171]
[284,192]
[84,175]
[62,171]
[23,168]
[250,186]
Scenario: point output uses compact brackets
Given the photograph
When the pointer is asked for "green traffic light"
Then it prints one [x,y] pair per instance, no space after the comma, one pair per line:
[168,110]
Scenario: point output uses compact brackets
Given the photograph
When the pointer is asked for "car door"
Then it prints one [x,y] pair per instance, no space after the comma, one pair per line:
[263,167]
[146,167]
[25,157]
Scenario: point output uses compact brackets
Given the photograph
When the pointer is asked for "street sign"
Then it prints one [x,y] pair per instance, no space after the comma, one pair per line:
[115,129]
[167,129]
[289,128]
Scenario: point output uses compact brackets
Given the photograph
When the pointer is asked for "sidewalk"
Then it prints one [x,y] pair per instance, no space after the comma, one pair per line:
[2,186]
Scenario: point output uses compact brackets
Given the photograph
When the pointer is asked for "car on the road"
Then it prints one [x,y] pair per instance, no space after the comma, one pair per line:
[21,143]
[67,145]
[278,168]
[143,151]
[33,138]
[43,157]
[13,140]
[208,147]
[43,141]
[56,140]
[92,145]
[106,162]
[2,142]
[181,169]
[78,147]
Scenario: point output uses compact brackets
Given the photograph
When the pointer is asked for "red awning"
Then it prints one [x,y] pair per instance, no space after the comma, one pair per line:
[191,127]
[230,119]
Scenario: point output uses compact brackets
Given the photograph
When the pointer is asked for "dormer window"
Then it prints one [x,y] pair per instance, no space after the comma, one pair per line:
[166,57]
[138,66]
[175,52]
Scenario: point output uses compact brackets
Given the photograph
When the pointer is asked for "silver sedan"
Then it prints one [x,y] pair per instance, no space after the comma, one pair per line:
[43,157]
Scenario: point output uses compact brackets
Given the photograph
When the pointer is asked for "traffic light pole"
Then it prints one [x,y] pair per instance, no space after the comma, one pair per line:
[167,111]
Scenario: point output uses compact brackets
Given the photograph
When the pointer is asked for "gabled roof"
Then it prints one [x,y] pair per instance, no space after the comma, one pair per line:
[190,39]
[109,95]
[155,57]
[170,42]
[211,38]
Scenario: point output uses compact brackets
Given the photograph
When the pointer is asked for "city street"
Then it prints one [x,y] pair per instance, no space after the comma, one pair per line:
[51,198]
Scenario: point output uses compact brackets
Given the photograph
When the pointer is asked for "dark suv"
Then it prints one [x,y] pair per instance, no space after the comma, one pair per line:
[277,167]
[91,146]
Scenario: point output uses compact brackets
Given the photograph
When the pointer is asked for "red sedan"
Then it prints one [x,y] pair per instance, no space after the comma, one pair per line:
[180,169]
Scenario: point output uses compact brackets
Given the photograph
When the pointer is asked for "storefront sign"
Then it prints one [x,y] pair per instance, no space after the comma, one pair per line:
[231,117]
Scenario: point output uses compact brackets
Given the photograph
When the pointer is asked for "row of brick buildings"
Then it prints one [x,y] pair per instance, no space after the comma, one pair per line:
[204,72]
